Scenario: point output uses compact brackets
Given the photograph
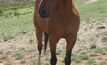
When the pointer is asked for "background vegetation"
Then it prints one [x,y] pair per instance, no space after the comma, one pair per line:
[10,8]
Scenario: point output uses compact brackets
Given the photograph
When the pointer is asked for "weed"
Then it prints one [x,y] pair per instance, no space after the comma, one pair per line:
[105,48]
[75,59]
[18,56]
[98,50]
[31,41]
[91,62]
[92,46]
[59,51]
[93,54]
[29,50]
[84,56]
[7,38]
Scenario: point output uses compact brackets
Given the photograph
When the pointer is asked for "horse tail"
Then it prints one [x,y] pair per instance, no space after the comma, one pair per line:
[45,41]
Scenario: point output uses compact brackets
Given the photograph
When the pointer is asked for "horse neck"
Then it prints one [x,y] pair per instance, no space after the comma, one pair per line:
[63,7]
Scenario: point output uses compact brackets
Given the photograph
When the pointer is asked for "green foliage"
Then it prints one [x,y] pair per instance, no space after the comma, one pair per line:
[91,62]
[16,12]
[10,8]
[83,56]
[75,59]
[19,56]
[92,46]
[98,50]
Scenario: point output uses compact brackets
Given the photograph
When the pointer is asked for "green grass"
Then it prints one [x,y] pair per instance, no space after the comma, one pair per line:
[19,56]
[76,59]
[91,62]
[16,12]
[99,50]
[83,56]
[96,9]
[92,46]
[10,28]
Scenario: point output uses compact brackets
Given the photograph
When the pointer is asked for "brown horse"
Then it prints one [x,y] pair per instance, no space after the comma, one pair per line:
[58,19]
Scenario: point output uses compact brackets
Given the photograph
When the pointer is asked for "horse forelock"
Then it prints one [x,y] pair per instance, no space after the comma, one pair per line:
[44,9]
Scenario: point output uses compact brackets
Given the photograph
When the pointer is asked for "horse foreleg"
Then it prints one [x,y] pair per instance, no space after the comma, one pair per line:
[70,44]
[39,46]
[53,41]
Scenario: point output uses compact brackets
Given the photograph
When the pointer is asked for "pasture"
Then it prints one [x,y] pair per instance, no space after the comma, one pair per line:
[18,40]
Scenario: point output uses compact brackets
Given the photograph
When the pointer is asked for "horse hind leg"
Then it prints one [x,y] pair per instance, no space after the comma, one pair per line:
[71,39]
